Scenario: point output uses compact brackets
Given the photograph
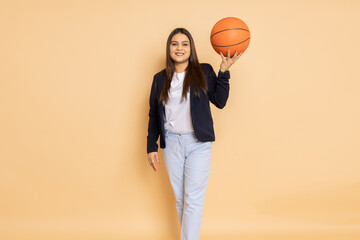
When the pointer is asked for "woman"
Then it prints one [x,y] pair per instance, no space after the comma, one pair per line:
[180,114]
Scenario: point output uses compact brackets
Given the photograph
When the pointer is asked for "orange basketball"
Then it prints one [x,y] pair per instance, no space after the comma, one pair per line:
[230,33]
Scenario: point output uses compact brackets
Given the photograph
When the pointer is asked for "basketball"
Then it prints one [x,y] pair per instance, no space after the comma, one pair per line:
[230,34]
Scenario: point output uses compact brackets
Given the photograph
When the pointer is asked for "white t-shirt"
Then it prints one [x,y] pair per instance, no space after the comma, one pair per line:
[177,113]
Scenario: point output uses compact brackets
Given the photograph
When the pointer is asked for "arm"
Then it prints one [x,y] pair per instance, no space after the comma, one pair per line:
[219,86]
[153,126]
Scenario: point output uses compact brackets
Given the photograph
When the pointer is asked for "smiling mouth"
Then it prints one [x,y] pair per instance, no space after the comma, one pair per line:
[179,54]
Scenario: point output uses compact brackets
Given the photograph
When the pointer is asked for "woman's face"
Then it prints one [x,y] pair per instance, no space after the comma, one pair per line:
[180,48]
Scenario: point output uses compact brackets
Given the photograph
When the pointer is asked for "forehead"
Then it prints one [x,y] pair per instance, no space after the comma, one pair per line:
[180,37]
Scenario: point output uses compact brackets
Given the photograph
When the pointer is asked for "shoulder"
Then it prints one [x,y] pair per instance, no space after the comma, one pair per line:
[207,68]
[159,76]
[161,73]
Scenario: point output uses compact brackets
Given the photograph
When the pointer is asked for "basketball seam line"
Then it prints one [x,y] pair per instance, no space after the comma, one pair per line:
[233,44]
[228,30]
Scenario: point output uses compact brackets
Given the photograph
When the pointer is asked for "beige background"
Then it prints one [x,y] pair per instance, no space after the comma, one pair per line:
[75,79]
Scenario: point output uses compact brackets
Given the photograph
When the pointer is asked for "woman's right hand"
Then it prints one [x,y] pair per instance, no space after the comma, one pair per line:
[152,157]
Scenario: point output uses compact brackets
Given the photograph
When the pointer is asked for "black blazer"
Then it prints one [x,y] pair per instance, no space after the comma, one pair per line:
[218,93]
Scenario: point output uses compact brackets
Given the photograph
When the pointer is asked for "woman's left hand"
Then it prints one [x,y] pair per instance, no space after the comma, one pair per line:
[228,61]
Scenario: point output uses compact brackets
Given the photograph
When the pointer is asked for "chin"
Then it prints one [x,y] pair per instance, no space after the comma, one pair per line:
[180,61]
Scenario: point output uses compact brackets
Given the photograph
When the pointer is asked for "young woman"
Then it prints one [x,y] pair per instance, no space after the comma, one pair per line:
[180,114]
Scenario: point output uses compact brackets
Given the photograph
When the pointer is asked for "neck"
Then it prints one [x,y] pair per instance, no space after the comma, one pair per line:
[180,67]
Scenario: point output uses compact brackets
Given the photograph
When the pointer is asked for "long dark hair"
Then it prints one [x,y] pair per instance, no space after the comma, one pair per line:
[194,75]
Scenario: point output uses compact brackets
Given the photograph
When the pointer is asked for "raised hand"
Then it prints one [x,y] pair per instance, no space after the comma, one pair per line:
[228,61]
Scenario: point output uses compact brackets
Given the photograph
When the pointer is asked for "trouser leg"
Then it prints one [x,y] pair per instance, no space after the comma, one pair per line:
[174,162]
[196,175]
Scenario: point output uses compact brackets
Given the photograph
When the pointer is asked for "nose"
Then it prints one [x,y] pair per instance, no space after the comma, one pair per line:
[178,47]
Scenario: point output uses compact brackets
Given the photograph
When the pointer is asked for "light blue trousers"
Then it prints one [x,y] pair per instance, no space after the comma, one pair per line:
[187,162]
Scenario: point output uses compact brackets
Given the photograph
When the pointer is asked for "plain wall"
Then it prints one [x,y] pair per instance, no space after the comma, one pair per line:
[75,80]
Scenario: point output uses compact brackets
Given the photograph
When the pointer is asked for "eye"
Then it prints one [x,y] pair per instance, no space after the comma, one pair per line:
[173,44]
[185,44]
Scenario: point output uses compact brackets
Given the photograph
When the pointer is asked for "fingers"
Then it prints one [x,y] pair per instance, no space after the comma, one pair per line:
[152,164]
[222,56]
[228,61]
[152,157]
[157,158]
[235,56]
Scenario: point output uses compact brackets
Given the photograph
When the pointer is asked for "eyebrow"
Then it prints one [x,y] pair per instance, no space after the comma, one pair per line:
[177,41]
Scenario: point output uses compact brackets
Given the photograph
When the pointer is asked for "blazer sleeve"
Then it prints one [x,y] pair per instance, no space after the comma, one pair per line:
[218,87]
[153,126]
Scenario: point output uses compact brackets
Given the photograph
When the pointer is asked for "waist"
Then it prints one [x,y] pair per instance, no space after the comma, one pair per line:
[179,133]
